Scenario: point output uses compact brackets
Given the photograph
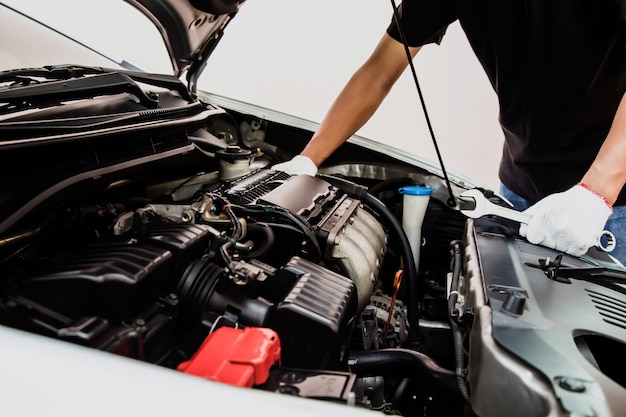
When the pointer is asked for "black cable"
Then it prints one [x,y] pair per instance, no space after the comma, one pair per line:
[237,228]
[409,265]
[392,183]
[286,214]
[456,332]
[226,257]
[451,200]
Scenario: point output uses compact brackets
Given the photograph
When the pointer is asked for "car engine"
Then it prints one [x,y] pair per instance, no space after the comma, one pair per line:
[174,243]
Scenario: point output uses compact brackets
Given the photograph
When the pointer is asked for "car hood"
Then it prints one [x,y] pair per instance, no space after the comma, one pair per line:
[190,29]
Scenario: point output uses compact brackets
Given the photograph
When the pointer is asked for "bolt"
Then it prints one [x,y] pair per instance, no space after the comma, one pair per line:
[187,216]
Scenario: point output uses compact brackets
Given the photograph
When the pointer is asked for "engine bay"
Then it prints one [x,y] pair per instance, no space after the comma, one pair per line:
[177,245]
[161,269]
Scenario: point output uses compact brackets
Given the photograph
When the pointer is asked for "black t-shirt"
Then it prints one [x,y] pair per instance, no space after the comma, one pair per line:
[559,69]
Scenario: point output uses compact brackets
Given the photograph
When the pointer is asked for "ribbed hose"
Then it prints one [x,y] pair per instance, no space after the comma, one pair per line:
[409,265]
[459,354]
[406,363]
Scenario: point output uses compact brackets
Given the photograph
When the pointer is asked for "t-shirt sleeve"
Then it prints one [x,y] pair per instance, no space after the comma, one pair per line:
[423,21]
[621,6]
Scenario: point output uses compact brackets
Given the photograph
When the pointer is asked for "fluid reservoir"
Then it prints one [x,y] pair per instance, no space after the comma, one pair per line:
[415,200]
[234,162]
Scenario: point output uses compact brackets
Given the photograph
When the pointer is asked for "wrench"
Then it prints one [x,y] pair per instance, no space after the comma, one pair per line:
[483,207]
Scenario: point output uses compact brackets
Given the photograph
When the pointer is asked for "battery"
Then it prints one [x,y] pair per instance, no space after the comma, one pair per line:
[241,357]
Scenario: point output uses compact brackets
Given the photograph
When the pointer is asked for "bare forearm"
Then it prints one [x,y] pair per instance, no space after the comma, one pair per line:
[607,174]
[359,99]
[356,103]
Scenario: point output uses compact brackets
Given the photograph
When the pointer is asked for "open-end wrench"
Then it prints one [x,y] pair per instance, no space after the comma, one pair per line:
[483,207]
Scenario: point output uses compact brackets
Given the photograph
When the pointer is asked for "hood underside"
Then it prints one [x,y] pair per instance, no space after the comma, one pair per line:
[190,28]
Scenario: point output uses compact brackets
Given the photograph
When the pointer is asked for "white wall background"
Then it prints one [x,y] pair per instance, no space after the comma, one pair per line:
[296,55]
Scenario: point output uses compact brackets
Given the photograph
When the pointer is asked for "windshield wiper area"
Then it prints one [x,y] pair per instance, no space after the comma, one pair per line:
[69,103]
[50,72]
[77,88]
[75,82]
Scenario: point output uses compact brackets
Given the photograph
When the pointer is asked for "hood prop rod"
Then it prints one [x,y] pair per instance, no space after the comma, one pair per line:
[451,202]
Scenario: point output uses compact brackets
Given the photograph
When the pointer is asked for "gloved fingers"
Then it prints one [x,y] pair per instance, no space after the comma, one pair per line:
[560,240]
[523,230]
[298,165]
[569,222]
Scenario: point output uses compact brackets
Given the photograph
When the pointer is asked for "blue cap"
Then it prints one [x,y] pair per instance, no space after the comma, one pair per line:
[416,190]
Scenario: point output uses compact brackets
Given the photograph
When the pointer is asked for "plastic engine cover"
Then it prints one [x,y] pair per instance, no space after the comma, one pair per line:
[549,341]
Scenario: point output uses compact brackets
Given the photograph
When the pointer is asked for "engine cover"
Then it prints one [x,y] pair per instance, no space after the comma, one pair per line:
[545,335]
[351,238]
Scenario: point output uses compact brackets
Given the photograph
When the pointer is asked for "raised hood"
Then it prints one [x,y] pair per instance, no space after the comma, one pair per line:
[190,29]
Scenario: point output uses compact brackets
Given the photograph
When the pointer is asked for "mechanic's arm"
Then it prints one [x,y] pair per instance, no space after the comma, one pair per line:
[359,99]
[607,174]
[573,220]
[353,107]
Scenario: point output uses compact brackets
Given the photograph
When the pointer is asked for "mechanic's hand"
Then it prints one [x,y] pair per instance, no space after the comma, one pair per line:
[298,165]
[570,222]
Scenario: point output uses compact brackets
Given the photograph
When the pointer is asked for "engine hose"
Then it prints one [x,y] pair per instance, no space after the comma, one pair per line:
[406,363]
[293,218]
[459,354]
[409,265]
[261,250]
[352,189]
[196,286]
[392,183]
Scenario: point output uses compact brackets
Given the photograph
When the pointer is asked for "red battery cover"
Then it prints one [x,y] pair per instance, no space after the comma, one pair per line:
[241,357]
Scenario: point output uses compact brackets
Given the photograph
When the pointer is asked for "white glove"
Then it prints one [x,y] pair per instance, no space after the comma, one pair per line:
[570,222]
[298,165]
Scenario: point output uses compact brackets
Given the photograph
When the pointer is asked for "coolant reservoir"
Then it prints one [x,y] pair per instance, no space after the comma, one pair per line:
[414,203]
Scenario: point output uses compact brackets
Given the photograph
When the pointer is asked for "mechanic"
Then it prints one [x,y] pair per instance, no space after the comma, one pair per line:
[559,70]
